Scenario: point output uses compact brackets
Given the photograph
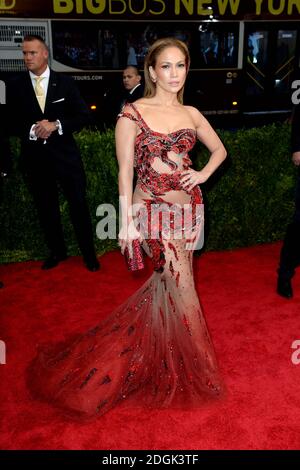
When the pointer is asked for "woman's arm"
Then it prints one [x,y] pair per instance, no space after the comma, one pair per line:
[125,134]
[210,139]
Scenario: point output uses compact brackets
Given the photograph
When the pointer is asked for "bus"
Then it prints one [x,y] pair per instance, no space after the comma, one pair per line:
[244,54]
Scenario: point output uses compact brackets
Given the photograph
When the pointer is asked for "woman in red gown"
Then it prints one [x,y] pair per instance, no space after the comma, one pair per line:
[154,350]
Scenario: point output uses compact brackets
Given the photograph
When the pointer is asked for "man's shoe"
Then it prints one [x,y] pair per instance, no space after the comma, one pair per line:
[53,261]
[284,288]
[92,265]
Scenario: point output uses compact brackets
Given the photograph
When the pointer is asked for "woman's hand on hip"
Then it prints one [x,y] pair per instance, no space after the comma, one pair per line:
[191,178]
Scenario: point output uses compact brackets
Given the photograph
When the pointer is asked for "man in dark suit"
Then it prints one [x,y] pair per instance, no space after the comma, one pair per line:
[132,84]
[46,108]
[290,253]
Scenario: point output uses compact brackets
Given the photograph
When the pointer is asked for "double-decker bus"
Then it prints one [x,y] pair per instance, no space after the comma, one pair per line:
[244,53]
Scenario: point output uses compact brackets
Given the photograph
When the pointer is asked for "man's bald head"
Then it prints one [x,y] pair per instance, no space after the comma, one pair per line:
[131,77]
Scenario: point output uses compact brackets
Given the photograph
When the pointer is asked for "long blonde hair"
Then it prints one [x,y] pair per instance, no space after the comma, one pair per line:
[151,58]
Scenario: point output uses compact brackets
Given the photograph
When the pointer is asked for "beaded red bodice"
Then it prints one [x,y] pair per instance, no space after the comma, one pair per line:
[150,145]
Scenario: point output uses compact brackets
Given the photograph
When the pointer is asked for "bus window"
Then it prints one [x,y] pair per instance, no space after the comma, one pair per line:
[217,45]
[89,45]
[84,45]
[285,58]
[141,36]
[257,62]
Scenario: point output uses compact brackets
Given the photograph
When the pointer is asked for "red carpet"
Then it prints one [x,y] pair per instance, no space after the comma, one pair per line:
[252,330]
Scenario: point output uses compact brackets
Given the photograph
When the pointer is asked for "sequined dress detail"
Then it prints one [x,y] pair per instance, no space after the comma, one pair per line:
[154,350]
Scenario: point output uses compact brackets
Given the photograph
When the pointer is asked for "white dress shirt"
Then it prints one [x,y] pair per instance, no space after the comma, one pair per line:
[131,91]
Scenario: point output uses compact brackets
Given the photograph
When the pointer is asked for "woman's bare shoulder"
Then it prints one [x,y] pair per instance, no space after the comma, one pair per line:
[195,114]
[193,111]
[143,103]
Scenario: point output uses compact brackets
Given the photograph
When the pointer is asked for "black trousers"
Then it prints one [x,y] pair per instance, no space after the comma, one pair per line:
[44,181]
[290,252]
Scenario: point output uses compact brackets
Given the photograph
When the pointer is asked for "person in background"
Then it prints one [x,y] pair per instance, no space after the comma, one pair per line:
[45,109]
[290,252]
[115,99]
[132,84]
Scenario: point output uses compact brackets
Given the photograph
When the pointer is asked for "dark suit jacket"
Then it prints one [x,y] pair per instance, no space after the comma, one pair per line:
[128,97]
[138,93]
[63,102]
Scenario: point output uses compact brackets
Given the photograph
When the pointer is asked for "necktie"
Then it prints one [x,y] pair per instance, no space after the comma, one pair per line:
[39,92]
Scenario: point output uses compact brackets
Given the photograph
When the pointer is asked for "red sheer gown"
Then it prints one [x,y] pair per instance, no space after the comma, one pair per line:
[154,350]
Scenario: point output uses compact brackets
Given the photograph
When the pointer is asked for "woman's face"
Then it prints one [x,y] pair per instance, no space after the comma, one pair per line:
[170,70]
